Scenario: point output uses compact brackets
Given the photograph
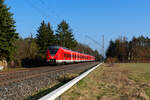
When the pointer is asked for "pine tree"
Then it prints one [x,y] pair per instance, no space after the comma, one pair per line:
[65,36]
[45,37]
[51,37]
[111,51]
[8,33]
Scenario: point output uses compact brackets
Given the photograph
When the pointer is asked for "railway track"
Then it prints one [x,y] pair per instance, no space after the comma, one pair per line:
[7,78]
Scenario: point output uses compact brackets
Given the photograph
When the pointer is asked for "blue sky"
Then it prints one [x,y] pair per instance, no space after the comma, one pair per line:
[111,18]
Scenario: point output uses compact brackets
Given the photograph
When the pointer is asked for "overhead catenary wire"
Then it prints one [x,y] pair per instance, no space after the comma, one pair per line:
[102,45]
[42,1]
[48,8]
[41,12]
[88,37]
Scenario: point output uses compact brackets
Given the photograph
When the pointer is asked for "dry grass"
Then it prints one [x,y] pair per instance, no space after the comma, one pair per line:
[111,82]
[67,77]
[11,69]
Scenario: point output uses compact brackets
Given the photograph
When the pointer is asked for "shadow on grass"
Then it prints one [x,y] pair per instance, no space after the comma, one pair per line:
[44,92]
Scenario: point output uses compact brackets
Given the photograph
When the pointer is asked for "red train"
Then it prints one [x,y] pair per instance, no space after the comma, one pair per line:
[56,54]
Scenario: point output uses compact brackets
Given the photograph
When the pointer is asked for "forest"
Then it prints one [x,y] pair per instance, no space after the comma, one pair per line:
[135,50]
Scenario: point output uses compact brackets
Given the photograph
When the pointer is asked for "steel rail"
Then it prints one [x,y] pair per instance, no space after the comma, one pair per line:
[20,76]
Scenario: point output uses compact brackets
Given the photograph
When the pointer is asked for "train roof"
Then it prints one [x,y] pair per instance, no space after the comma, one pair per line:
[57,47]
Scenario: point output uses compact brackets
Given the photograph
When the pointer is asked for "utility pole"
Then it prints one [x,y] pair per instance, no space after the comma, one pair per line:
[103,47]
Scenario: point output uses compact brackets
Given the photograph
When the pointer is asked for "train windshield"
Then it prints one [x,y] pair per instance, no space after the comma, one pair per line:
[53,50]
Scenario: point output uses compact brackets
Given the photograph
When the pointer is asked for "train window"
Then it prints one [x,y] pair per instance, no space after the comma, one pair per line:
[67,55]
[53,51]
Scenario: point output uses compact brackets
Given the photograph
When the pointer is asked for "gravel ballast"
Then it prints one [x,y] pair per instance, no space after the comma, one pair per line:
[24,89]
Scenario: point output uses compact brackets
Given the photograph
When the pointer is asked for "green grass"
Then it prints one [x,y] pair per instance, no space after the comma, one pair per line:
[140,73]
[81,84]
[11,69]
[43,92]
[126,81]
[137,67]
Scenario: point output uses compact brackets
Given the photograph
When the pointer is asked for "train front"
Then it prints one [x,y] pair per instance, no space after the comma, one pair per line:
[51,54]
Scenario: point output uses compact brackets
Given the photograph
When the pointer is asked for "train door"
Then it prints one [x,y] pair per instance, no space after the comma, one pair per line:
[71,56]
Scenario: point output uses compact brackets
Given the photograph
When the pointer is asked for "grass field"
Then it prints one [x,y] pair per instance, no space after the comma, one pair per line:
[12,69]
[113,82]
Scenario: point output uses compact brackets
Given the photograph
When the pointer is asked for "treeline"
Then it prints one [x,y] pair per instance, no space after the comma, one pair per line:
[8,35]
[136,50]
[31,51]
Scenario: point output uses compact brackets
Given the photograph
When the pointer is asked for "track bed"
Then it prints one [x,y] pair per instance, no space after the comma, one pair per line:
[20,84]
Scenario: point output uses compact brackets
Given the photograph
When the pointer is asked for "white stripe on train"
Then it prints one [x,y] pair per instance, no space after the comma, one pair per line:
[71,61]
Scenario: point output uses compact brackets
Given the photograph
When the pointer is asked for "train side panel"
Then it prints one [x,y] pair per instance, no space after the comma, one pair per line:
[61,55]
